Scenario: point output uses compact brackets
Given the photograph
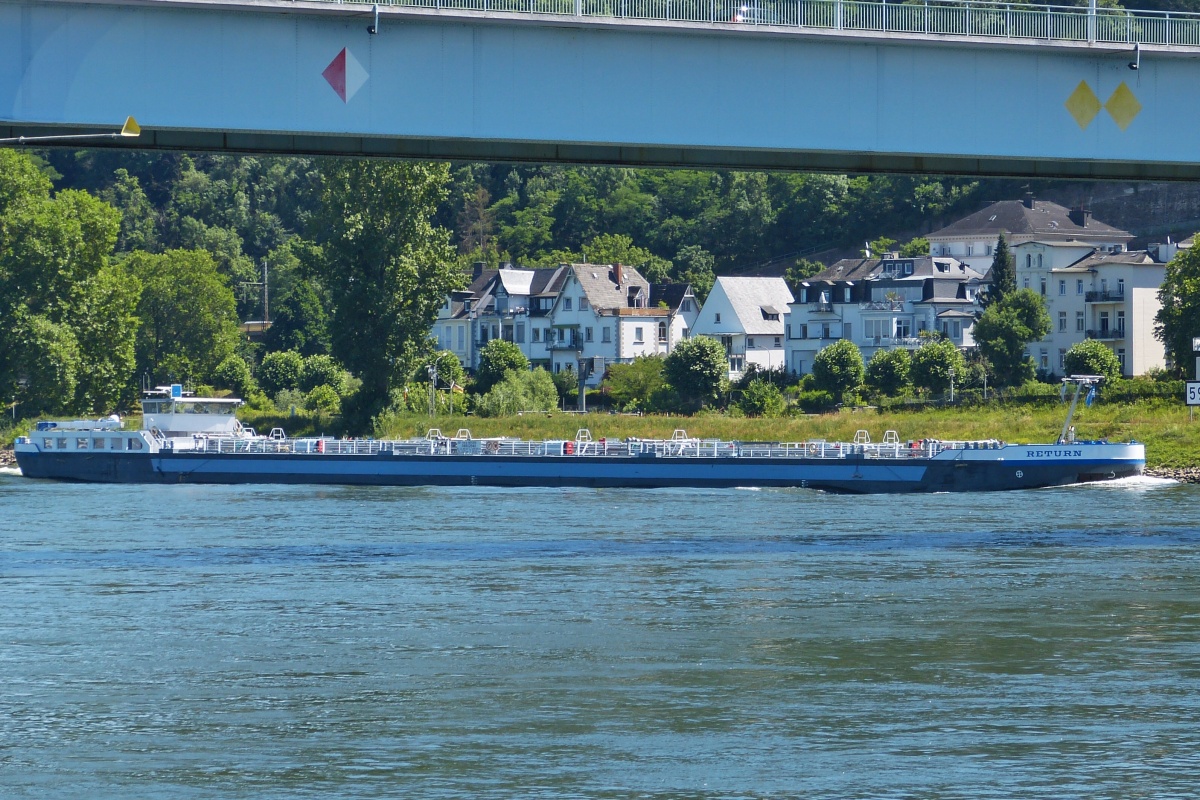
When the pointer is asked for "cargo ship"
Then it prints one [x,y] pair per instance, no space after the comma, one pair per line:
[188,439]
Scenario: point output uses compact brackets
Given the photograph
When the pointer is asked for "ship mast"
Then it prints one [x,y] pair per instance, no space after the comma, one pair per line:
[1080,381]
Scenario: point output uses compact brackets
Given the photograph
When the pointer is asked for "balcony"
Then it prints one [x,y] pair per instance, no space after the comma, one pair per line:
[821,307]
[1106,296]
[894,341]
[569,343]
[1107,334]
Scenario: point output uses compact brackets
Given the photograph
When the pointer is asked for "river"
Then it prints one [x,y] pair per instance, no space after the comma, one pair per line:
[284,642]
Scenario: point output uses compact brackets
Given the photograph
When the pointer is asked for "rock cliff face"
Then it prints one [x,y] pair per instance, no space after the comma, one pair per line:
[1150,211]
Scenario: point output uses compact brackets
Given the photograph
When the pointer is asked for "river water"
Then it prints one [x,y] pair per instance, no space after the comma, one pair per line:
[282,642]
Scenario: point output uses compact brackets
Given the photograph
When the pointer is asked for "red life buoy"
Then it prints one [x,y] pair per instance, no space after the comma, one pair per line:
[320,445]
[569,448]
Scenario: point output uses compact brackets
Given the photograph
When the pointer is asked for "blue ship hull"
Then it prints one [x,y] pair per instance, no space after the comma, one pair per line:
[851,474]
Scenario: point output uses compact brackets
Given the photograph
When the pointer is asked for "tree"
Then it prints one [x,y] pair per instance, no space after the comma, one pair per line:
[933,362]
[915,248]
[1178,320]
[519,391]
[802,270]
[1005,329]
[233,373]
[496,359]
[610,248]
[696,266]
[697,369]
[386,266]
[1090,357]
[322,370]
[888,371]
[300,322]
[632,385]
[105,323]
[838,368]
[188,316]
[47,356]
[1003,272]
[280,371]
[762,398]
[879,246]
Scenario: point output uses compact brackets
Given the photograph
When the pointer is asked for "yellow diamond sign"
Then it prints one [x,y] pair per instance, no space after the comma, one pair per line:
[1084,105]
[1123,106]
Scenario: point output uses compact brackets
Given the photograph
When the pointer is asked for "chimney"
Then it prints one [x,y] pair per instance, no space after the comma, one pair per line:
[1079,216]
[1028,200]
[616,273]
[477,269]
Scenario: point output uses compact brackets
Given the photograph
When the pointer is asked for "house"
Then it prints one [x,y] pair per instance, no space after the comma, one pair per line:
[972,239]
[604,315]
[1109,296]
[747,316]
[881,304]
[679,300]
[455,328]
[510,304]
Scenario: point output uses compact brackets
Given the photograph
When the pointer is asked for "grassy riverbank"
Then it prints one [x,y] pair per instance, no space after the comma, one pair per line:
[1172,442]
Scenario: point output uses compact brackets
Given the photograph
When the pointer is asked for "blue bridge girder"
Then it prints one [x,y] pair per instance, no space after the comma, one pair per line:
[937,87]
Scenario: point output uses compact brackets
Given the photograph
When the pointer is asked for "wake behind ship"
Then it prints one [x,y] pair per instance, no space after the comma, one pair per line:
[186,439]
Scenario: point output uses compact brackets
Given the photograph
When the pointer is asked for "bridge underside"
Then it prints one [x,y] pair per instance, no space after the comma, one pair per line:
[288,78]
[195,141]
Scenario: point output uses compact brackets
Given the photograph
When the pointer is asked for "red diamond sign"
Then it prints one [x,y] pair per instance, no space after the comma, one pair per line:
[345,75]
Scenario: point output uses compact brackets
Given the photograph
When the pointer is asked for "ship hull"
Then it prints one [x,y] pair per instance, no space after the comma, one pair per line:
[1012,467]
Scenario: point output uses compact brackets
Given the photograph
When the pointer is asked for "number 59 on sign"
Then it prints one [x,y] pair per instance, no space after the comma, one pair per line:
[1193,393]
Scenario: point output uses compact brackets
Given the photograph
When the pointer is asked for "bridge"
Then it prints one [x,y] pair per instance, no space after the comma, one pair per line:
[930,86]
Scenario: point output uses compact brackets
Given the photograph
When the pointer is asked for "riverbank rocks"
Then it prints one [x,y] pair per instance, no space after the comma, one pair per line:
[1181,474]
[8,458]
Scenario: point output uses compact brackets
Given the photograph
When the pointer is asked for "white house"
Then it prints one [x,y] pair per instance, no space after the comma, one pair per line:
[746,315]
[881,304]
[972,239]
[508,303]
[603,315]
[1104,295]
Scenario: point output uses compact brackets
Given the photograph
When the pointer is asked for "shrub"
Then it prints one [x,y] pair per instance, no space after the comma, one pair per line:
[838,368]
[288,399]
[697,369]
[630,386]
[888,371]
[323,399]
[1091,357]
[280,371]
[496,359]
[233,373]
[762,399]
[322,370]
[816,402]
[519,391]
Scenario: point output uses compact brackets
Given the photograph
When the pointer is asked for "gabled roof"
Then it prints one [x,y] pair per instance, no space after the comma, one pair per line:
[601,288]
[750,299]
[860,269]
[669,294]
[1039,218]
[1099,258]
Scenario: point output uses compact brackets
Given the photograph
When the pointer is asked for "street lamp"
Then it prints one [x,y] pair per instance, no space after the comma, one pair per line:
[433,376]
[952,384]
[129,130]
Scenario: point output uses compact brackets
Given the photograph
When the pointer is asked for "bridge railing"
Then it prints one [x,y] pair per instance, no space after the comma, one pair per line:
[968,18]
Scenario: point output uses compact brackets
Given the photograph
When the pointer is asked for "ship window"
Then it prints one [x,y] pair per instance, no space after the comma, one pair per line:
[62,443]
[81,443]
[47,444]
[135,444]
[97,444]
[116,443]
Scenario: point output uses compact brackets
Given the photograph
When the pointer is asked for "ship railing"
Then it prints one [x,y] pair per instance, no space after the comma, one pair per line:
[667,448]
